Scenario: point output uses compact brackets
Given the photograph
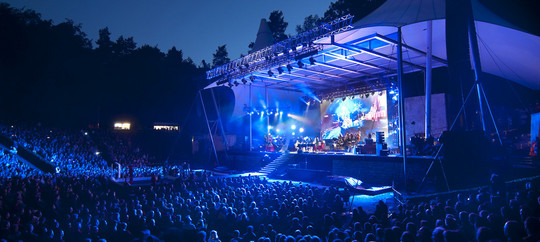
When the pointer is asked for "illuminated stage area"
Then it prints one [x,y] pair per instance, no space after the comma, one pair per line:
[331,101]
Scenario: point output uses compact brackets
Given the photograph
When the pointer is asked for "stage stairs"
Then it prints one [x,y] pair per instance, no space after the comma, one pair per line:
[276,164]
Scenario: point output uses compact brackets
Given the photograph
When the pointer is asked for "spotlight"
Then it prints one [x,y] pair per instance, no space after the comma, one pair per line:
[312,60]
[293,127]
[367,95]
[277,130]
[293,133]
[289,68]
[230,84]
[300,64]
[236,83]
[244,81]
[280,112]
[270,73]
[270,127]
[280,70]
[344,98]
[301,130]
[246,65]
[252,78]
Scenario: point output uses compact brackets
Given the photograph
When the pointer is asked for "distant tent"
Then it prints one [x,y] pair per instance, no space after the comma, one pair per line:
[264,36]
[505,50]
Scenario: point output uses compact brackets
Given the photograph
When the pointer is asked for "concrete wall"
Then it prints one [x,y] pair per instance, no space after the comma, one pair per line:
[415,115]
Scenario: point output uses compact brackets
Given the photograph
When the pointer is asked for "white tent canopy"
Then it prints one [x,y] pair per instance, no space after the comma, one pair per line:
[505,50]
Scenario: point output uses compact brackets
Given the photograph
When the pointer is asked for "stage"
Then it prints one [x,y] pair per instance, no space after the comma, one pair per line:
[371,169]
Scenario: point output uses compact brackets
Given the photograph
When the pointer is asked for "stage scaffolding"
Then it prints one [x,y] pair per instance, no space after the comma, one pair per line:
[331,68]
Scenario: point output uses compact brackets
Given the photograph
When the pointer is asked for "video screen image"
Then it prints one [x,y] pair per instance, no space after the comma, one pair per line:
[361,115]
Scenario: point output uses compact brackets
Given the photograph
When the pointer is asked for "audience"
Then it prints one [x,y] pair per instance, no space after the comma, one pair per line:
[83,203]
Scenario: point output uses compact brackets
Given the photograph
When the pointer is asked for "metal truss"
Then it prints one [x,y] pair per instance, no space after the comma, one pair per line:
[280,53]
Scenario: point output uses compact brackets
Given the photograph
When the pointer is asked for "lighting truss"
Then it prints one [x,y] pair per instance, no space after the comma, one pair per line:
[280,53]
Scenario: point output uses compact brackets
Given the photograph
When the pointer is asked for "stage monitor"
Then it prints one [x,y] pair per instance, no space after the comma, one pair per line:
[360,115]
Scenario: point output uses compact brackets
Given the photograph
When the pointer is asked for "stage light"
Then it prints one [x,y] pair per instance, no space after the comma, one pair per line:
[251,113]
[281,113]
[300,64]
[262,113]
[293,127]
[312,60]
[244,81]
[280,70]
[293,133]
[230,84]
[343,99]
[270,73]
[391,92]
[270,127]
[301,130]
[289,68]
[277,130]
[236,83]
[252,78]
[380,93]
[308,103]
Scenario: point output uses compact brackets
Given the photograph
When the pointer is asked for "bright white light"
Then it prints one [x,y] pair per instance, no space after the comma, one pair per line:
[85,133]
[277,130]
[293,133]
[97,153]
[262,113]
[301,130]
[281,113]
[293,127]
[122,126]
[270,127]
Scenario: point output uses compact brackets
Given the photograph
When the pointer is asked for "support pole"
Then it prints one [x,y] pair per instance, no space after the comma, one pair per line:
[250,120]
[209,129]
[401,105]
[428,78]
[477,65]
[219,120]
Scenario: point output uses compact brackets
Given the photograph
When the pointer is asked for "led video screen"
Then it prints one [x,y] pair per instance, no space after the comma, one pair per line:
[361,115]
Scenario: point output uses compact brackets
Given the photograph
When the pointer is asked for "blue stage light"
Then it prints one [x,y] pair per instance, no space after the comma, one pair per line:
[281,113]
[293,133]
[293,127]
[301,130]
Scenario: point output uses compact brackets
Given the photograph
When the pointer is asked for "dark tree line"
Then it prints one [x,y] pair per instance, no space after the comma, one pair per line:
[52,73]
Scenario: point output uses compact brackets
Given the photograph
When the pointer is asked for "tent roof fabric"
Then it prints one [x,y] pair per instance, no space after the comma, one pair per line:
[404,12]
[264,36]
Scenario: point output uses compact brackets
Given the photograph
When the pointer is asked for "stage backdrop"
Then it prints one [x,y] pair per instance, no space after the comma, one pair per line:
[359,115]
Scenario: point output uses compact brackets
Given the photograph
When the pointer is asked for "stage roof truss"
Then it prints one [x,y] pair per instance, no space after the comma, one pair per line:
[323,67]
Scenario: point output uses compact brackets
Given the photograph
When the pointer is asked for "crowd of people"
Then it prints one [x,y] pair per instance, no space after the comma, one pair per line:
[76,151]
[86,205]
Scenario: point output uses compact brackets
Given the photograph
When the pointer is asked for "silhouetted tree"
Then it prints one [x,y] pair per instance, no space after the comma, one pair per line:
[221,56]
[175,56]
[104,42]
[358,8]
[310,22]
[277,25]
[124,46]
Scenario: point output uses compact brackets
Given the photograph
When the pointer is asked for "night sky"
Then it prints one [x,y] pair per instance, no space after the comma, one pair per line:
[196,27]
